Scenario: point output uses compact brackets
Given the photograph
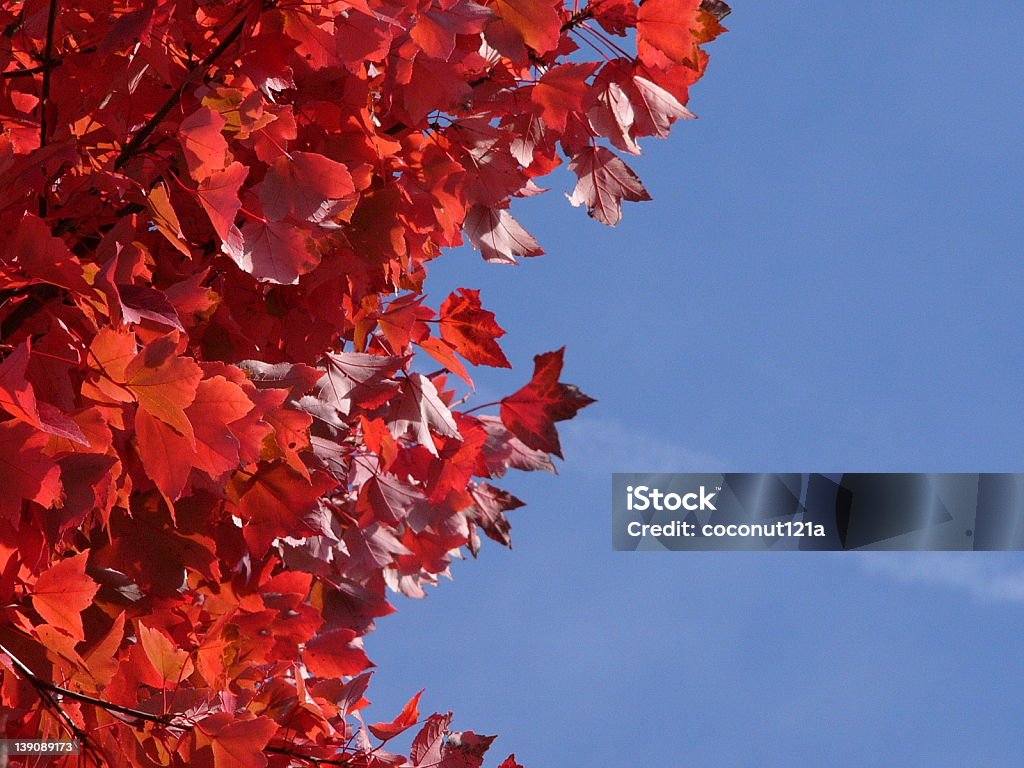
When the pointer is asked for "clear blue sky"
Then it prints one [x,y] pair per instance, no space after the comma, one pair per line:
[829,279]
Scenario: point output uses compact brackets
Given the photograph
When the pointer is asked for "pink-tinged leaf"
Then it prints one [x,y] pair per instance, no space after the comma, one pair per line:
[612,116]
[504,451]
[62,592]
[421,410]
[604,182]
[358,377]
[140,302]
[510,762]
[655,108]
[276,252]
[305,186]
[488,511]
[203,143]
[531,412]
[428,745]
[390,500]
[498,236]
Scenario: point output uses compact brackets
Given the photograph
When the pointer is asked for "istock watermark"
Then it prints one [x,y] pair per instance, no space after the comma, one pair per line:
[643,497]
[818,511]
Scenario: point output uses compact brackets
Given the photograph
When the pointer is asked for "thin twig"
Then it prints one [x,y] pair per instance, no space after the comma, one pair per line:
[151,125]
[45,685]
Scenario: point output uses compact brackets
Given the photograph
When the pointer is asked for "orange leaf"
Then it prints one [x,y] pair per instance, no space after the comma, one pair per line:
[165,384]
[62,592]
[170,662]
[235,743]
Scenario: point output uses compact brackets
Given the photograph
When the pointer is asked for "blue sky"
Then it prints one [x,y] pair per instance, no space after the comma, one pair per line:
[827,280]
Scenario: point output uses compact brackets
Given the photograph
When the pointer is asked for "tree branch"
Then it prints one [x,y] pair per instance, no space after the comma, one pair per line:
[42,685]
[315,760]
[203,66]
[51,26]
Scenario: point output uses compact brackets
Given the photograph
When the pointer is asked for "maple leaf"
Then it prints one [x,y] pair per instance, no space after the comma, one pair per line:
[305,186]
[166,455]
[465,749]
[421,410]
[406,719]
[435,29]
[335,652]
[668,26]
[164,384]
[171,663]
[489,507]
[218,195]
[531,412]
[234,741]
[472,330]
[444,354]
[26,472]
[62,592]
[165,219]
[18,398]
[218,403]
[276,252]
[604,182]
[510,762]
[356,376]
[428,745]
[281,502]
[498,236]
[503,451]
[562,90]
[655,109]
[404,320]
[612,115]
[203,143]
[536,23]
[44,257]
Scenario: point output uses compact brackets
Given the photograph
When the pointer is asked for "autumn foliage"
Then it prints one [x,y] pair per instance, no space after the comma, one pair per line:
[229,421]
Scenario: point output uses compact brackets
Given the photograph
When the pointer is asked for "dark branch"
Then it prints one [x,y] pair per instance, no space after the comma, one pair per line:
[203,66]
[51,25]
[46,686]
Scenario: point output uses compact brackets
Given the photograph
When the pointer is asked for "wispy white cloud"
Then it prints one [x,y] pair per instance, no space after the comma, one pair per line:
[985,576]
[601,446]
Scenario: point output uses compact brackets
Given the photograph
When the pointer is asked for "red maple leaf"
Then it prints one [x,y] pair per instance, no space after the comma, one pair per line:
[531,412]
